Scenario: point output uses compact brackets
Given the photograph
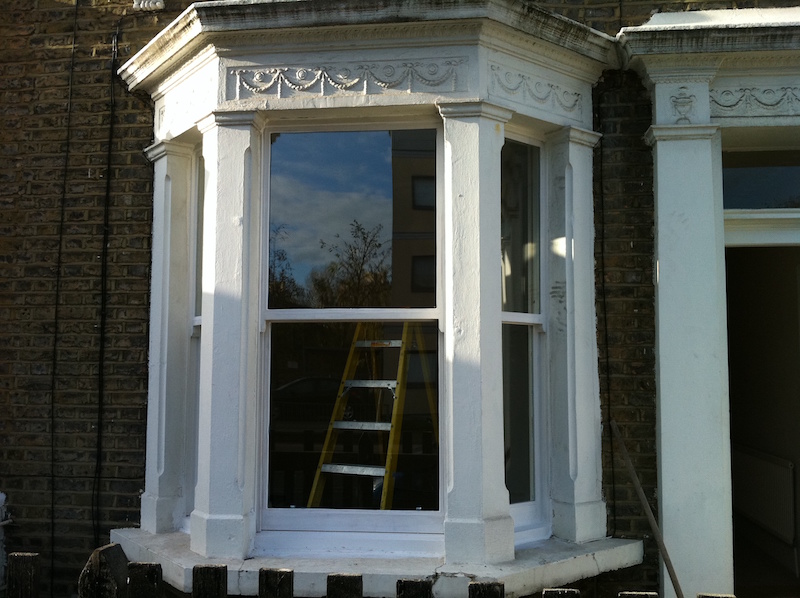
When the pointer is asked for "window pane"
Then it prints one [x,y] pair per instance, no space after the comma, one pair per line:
[761,180]
[349,211]
[520,227]
[518,413]
[317,376]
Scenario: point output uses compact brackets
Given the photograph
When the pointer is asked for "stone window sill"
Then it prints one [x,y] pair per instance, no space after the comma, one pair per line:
[549,563]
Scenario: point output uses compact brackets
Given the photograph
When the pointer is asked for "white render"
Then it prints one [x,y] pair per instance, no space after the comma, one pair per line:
[478,527]
[717,78]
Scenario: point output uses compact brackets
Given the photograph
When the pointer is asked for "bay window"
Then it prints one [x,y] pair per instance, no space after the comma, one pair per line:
[395,274]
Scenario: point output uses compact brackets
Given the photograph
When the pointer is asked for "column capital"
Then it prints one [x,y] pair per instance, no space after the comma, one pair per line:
[251,118]
[575,135]
[474,109]
[164,148]
[658,73]
[679,133]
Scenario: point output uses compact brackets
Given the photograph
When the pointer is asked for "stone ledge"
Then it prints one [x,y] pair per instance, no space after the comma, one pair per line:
[548,563]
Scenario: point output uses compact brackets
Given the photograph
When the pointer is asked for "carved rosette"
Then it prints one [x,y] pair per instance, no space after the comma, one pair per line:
[755,101]
[527,90]
[442,75]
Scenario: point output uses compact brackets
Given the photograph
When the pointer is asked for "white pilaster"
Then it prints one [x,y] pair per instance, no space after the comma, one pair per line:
[170,328]
[478,527]
[579,512]
[223,522]
[694,479]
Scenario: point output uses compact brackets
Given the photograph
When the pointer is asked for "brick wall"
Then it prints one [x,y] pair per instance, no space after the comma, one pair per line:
[624,221]
[46,461]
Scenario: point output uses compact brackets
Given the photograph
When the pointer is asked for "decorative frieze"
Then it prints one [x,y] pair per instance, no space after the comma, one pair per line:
[529,90]
[383,77]
[148,4]
[755,101]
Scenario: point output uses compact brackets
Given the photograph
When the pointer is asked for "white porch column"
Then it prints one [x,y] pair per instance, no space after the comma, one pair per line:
[478,527]
[223,521]
[579,512]
[694,479]
[170,328]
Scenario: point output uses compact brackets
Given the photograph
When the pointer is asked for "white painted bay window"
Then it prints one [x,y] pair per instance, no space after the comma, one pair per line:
[398,364]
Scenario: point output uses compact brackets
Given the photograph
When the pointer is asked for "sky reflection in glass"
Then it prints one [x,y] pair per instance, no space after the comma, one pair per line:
[320,183]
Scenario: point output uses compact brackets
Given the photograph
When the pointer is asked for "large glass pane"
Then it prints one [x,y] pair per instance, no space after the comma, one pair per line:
[761,180]
[520,227]
[340,393]
[518,411]
[351,213]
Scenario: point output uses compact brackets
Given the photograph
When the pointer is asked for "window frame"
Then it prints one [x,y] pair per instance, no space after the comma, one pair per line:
[195,215]
[531,520]
[757,226]
[295,529]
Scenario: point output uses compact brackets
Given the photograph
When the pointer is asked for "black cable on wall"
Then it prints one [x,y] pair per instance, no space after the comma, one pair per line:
[96,481]
[601,238]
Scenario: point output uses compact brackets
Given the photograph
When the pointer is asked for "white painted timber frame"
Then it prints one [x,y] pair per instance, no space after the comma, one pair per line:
[226,73]
[719,80]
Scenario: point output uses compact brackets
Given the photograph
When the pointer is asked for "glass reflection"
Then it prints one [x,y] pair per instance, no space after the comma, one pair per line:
[761,180]
[520,227]
[349,212]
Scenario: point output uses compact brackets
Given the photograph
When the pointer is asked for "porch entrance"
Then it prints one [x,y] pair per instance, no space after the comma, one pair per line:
[763,299]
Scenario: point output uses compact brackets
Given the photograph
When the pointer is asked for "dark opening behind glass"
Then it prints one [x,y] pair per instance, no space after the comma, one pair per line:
[761,180]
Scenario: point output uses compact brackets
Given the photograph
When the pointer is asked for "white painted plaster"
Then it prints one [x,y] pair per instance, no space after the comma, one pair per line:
[706,19]
[706,69]
[578,509]
[223,522]
[549,563]
[691,359]
[478,526]
[163,499]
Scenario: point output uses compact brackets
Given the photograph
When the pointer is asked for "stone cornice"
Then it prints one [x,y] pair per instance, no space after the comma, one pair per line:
[232,26]
[708,41]
[704,35]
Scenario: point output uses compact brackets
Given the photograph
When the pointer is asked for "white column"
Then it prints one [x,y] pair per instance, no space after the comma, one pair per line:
[579,512]
[223,521]
[170,328]
[694,479]
[478,527]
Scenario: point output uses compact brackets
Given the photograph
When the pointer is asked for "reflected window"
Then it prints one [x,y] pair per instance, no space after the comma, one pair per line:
[520,227]
[761,180]
[353,405]
[344,220]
